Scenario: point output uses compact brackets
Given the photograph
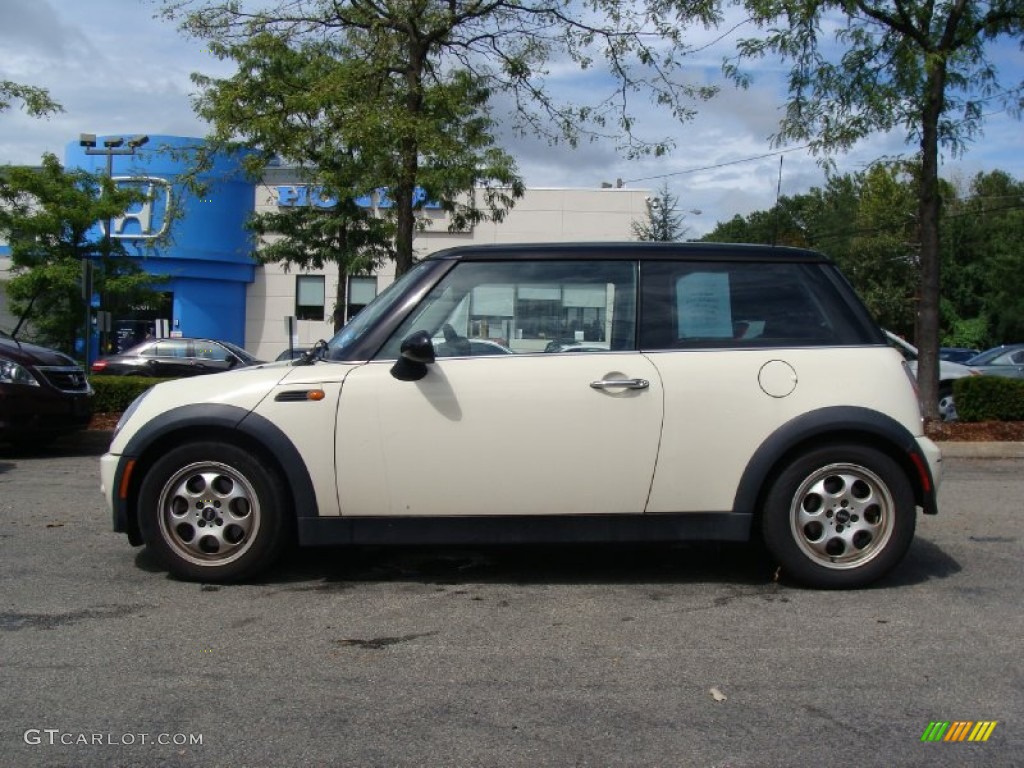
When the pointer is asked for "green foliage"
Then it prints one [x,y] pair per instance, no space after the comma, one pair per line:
[400,93]
[983,260]
[971,333]
[115,393]
[37,101]
[867,223]
[335,110]
[989,398]
[48,214]
[664,221]
[864,222]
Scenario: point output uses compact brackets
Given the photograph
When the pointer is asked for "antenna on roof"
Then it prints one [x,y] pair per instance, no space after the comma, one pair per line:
[778,196]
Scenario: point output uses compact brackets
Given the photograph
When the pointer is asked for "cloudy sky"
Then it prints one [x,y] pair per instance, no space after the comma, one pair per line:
[118,70]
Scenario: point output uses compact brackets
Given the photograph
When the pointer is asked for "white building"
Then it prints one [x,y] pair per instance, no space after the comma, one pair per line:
[541,215]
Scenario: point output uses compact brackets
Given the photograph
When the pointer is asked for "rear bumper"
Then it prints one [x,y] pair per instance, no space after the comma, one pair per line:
[933,466]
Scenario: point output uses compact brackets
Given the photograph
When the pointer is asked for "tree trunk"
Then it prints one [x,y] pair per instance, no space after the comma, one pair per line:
[928,223]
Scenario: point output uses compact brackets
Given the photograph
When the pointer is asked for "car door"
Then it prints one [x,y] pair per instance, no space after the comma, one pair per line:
[171,358]
[211,357]
[518,431]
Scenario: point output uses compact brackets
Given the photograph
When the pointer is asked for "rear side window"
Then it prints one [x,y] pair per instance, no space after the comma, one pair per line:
[690,304]
[173,348]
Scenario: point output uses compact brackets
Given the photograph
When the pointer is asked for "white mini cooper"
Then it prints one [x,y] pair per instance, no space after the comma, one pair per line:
[715,392]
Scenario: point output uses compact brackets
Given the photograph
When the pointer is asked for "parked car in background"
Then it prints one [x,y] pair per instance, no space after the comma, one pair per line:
[744,392]
[957,354]
[1006,360]
[43,394]
[948,373]
[174,358]
[448,343]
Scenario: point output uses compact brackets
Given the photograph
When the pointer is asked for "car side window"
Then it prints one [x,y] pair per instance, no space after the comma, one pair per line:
[172,348]
[740,304]
[522,307]
[211,352]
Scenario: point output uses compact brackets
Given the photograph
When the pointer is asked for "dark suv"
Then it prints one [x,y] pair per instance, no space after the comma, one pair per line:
[43,394]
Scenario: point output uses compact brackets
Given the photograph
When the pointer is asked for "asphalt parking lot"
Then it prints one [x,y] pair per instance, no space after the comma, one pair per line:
[586,656]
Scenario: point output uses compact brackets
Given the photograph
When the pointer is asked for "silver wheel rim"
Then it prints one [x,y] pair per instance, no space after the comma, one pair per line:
[209,513]
[842,516]
[947,408]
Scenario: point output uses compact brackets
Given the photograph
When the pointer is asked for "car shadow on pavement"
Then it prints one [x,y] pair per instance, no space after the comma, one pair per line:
[696,562]
[925,561]
[337,568]
[86,443]
[526,564]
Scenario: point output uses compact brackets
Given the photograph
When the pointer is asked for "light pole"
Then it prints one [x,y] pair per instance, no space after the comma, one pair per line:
[114,145]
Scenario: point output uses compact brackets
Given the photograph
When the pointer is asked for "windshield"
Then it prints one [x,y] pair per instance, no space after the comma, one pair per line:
[240,352]
[986,357]
[367,317]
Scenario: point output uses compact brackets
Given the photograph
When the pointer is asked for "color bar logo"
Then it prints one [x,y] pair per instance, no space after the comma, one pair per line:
[959,730]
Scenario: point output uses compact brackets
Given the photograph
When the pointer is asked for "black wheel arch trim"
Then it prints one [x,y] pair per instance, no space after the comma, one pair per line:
[843,422]
[202,416]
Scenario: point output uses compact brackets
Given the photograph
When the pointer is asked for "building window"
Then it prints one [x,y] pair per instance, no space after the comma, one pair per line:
[309,297]
[361,291]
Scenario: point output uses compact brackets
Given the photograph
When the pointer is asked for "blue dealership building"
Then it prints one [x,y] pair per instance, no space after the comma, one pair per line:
[197,243]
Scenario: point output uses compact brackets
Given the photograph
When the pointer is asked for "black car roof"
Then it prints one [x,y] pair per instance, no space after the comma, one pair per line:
[631,250]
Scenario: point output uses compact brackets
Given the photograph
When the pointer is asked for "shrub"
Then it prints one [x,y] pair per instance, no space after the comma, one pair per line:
[115,393]
[989,398]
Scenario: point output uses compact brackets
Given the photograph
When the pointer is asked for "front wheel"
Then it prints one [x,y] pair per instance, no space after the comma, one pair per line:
[839,517]
[213,512]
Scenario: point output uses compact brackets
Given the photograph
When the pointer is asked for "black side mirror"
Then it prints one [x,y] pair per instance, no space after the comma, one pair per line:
[417,352]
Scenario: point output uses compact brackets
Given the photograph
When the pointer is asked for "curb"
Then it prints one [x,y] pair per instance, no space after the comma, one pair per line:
[955,449]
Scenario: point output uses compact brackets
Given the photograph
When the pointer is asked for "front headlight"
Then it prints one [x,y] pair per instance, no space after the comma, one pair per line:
[129,411]
[13,373]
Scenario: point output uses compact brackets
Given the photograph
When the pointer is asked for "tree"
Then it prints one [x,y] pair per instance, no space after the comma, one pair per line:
[918,65]
[983,262]
[407,85]
[37,101]
[291,104]
[864,222]
[664,221]
[49,215]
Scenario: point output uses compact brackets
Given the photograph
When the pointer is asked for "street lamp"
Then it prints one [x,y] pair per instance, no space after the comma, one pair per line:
[114,145]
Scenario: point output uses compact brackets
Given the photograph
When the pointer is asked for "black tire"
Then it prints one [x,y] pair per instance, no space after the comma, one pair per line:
[213,512]
[839,517]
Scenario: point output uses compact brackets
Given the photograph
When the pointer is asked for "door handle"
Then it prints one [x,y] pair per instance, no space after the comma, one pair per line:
[620,384]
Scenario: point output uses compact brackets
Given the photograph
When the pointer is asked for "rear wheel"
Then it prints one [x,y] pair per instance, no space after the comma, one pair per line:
[213,512]
[839,517]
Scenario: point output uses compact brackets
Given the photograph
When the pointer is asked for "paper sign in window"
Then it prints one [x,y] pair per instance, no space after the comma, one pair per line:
[703,307]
